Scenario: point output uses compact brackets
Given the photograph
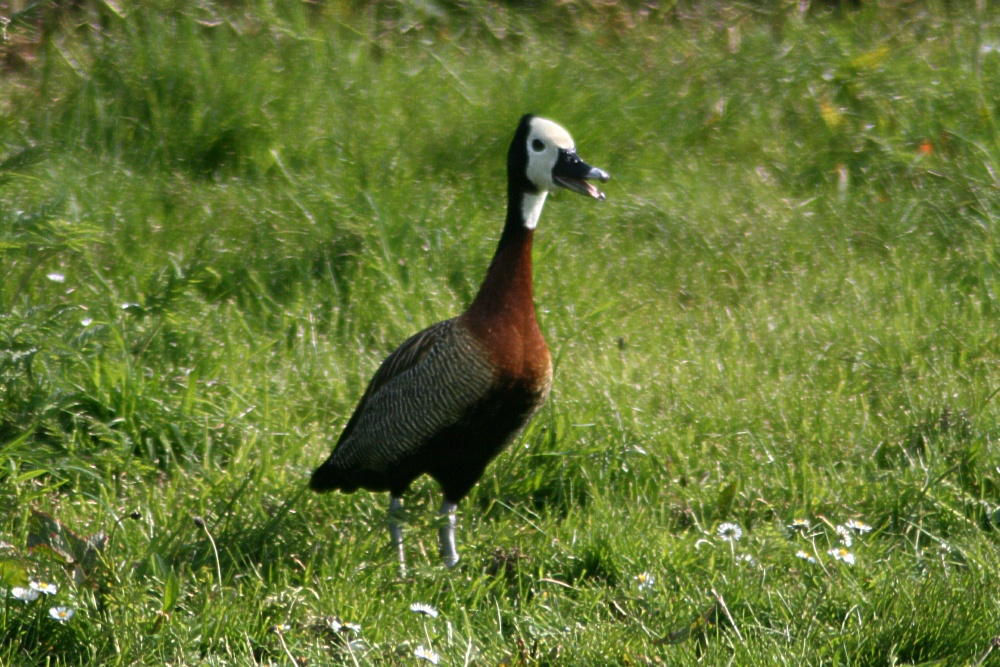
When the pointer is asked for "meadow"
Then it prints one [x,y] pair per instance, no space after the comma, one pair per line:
[773,432]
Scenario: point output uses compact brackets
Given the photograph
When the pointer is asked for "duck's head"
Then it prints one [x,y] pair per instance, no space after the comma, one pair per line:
[541,159]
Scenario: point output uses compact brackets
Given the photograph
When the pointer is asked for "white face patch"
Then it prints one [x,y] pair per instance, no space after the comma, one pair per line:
[544,142]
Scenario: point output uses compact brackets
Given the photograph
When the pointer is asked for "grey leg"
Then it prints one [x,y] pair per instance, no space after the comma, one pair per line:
[396,531]
[446,534]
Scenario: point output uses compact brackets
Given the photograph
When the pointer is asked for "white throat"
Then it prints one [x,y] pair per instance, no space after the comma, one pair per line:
[531,208]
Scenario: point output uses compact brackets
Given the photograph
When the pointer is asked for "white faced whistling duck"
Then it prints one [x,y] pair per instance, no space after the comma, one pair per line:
[450,398]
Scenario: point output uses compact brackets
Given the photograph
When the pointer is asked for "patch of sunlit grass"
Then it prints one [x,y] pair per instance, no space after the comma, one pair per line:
[772,434]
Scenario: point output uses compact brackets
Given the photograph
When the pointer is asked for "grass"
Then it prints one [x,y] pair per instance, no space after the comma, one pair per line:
[217,219]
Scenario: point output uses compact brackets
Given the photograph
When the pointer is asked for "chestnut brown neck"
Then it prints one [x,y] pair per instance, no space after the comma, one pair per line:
[506,297]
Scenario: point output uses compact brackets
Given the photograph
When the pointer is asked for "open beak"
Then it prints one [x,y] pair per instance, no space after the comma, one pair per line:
[573,173]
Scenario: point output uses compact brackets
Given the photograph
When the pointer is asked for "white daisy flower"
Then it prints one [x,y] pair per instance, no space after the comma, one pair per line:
[845,536]
[339,626]
[61,614]
[804,556]
[426,654]
[644,581]
[730,532]
[799,526]
[25,594]
[46,587]
[859,527]
[842,554]
[421,608]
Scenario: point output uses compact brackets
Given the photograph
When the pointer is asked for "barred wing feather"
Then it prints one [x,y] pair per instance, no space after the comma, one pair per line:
[427,383]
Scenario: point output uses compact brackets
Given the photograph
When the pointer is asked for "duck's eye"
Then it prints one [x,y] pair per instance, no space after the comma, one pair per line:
[538,145]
